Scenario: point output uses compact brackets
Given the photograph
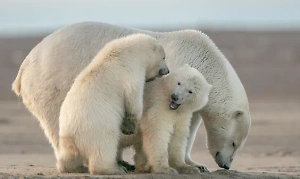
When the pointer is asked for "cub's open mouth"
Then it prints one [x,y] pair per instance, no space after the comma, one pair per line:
[174,105]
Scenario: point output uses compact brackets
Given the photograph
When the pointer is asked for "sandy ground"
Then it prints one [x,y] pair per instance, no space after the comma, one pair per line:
[272,146]
[268,65]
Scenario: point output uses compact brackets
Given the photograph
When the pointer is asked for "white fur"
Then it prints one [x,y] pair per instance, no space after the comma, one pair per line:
[164,131]
[48,71]
[93,110]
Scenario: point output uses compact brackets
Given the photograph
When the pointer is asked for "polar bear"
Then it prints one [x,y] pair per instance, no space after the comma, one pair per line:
[93,110]
[48,71]
[169,103]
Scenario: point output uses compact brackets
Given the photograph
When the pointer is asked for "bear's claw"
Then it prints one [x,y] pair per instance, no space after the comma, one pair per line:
[202,168]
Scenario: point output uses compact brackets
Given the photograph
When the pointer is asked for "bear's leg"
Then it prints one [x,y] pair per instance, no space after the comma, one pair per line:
[177,147]
[46,110]
[103,153]
[155,145]
[70,160]
[140,159]
[133,109]
[195,123]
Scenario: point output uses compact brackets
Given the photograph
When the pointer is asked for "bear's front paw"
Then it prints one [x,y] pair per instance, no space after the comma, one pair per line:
[128,126]
[188,170]
[202,168]
[140,169]
[165,170]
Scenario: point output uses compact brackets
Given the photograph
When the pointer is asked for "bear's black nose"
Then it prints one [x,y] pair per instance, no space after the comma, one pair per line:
[174,97]
[225,167]
[163,71]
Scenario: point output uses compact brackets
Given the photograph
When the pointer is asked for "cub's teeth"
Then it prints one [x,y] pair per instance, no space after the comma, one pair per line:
[174,105]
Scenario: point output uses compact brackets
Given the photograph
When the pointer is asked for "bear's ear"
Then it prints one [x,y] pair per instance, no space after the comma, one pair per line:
[237,114]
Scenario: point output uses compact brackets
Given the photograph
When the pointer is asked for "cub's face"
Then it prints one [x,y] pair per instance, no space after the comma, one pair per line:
[188,89]
[157,63]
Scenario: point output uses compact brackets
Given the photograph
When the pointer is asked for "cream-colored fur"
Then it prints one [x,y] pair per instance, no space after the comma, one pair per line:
[164,130]
[94,108]
[47,74]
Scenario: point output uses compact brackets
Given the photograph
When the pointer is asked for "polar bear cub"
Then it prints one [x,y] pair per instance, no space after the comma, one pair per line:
[169,103]
[92,113]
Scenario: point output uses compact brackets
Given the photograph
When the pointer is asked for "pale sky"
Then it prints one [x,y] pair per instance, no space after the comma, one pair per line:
[33,16]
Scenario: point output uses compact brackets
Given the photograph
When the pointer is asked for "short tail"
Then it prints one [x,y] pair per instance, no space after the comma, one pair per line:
[16,86]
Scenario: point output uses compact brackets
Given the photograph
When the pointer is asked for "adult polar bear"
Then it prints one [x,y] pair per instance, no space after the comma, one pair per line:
[47,74]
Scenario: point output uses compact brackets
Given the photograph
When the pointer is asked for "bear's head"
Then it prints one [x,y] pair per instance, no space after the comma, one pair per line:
[225,137]
[188,89]
[157,66]
[151,54]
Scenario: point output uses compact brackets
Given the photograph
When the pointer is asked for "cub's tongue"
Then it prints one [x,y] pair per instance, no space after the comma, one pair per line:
[174,106]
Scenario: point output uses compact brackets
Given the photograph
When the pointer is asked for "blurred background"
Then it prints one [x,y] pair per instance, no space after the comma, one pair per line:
[261,39]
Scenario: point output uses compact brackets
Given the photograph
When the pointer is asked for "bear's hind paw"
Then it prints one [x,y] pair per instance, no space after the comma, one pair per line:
[126,165]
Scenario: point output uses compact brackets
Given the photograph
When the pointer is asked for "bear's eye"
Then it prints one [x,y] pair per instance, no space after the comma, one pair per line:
[190,92]
[237,114]
[179,83]
[164,58]
[233,144]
